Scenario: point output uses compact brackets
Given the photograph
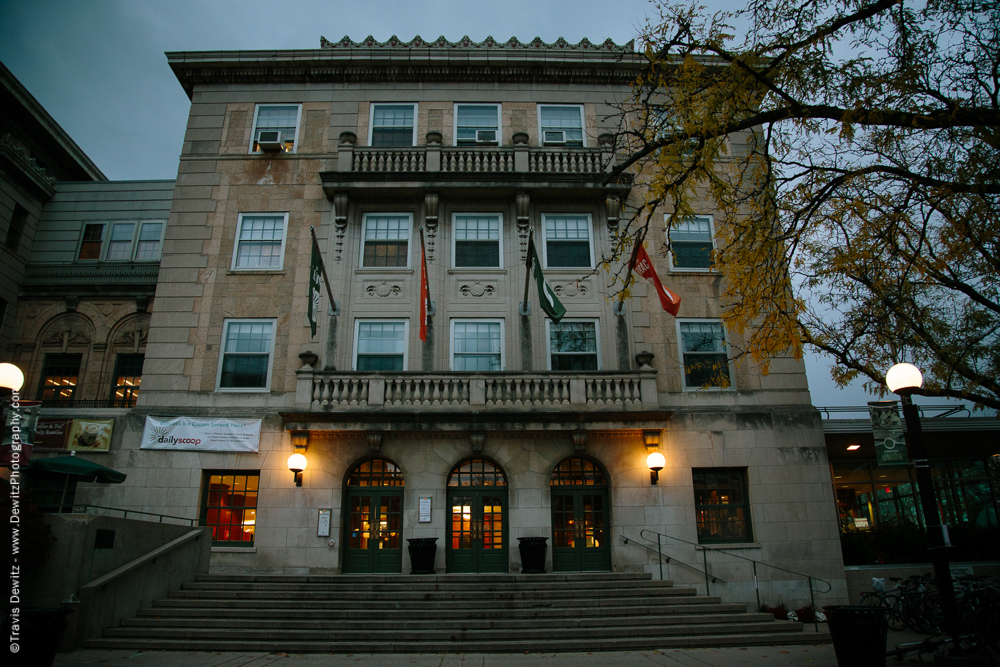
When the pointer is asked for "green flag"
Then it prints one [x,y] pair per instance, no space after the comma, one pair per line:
[315,283]
[546,297]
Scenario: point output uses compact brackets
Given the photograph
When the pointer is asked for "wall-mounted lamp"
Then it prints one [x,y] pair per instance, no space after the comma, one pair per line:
[11,376]
[656,462]
[297,463]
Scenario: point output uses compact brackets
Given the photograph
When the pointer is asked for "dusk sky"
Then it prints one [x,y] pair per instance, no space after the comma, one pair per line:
[98,66]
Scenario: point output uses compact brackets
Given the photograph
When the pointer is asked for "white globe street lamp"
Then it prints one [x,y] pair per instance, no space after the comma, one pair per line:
[11,376]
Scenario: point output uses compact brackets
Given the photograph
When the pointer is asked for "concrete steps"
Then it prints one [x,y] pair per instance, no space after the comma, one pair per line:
[442,613]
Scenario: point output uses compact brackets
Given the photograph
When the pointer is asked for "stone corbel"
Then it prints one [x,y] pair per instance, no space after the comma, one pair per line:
[478,441]
[374,441]
[431,201]
[72,302]
[614,212]
[300,441]
[521,201]
[580,441]
[340,202]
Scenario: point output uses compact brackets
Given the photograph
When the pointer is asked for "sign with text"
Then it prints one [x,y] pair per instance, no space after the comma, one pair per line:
[887,429]
[201,435]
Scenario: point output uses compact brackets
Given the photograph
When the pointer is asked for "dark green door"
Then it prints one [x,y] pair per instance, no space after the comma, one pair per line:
[374,531]
[579,530]
[477,530]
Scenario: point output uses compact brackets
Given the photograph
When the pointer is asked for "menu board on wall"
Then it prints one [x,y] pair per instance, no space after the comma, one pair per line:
[78,435]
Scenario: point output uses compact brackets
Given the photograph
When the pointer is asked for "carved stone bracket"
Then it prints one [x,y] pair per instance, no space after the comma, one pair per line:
[431,201]
[477,289]
[521,201]
[300,441]
[571,289]
[383,289]
[580,441]
[374,441]
[614,210]
[478,441]
[340,201]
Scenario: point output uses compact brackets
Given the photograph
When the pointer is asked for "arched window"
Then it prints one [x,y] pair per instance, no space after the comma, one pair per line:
[376,472]
[577,471]
[477,472]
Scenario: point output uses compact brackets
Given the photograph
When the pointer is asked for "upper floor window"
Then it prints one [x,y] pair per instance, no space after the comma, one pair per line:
[275,127]
[386,240]
[691,244]
[477,345]
[17,221]
[703,354]
[260,241]
[122,241]
[478,241]
[573,345]
[60,377]
[247,346]
[561,124]
[477,124]
[392,125]
[380,345]
[567,241]
[128,376]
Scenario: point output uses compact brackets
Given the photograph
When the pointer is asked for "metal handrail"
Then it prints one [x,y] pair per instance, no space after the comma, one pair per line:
[714,578]
[125,513]
[706,548]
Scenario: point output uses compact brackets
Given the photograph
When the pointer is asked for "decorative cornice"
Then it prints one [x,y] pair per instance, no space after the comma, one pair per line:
[513,43]
[21,156]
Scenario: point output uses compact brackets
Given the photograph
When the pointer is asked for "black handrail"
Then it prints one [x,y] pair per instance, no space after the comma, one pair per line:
[125,513]
[668,559]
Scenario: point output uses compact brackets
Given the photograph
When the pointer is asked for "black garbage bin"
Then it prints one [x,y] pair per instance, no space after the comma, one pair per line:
[39,633]
[532,554]
[858,634]
[422,551]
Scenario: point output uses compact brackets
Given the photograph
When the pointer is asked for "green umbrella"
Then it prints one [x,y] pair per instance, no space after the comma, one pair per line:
[81,468]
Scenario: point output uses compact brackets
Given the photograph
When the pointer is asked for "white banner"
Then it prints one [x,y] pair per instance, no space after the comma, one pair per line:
[202,435]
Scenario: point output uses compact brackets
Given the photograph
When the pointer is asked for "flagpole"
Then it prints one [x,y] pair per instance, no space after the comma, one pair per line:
[322,268]
[527,272]
[628,274]
[423,264]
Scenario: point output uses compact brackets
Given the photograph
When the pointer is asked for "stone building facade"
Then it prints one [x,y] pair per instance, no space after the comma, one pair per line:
[502,424]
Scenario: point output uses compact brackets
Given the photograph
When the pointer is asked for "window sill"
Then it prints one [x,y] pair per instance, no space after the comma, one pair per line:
[478,271]
[697,272]
[729,545]
[234,550]
[375,270]
[256,272]
[242,390]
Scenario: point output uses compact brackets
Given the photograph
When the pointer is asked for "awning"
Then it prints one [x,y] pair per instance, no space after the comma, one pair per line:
[81,468]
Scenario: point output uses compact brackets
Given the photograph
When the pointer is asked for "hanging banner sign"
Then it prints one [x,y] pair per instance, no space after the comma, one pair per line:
[202,435]
[887,429]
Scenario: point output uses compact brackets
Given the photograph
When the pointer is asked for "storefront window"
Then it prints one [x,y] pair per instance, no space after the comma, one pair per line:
[229,506]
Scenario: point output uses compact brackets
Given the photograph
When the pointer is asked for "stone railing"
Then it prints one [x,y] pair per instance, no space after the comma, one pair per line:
[390,160]
[573,161]
[477,159]
[330,390]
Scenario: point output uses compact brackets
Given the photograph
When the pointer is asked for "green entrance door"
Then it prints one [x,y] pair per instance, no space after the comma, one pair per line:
[580,523]
[477,529]
[374,522]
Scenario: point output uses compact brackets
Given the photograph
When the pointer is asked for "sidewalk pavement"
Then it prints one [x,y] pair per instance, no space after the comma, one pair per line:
[803,655]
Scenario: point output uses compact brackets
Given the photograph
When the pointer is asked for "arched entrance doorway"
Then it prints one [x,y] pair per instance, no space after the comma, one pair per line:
[477,527]
[580,516]
[374,526]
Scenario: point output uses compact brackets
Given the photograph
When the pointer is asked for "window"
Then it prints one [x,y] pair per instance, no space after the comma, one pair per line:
[229,506]
[93,239]
[60,377]
[722,505]
[691,244]
[477,345]
[128,375]
[568,241]
[392,125]
[386,240]
[120,243]
[147,248]
[246,355]
[561,124]
[478,240]
[573,345]
[17,222]
[281,117]
[703,354]
[477,124]
[260,242]
[126,241]
[380,345]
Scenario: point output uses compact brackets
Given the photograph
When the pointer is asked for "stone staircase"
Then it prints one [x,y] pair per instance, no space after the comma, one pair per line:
[443,613]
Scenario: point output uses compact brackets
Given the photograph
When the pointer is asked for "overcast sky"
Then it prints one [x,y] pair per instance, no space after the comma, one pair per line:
[97,66]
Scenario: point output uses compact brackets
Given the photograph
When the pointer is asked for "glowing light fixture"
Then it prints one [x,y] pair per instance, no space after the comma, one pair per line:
[852,448]
[904,377]
[11,376]
[656,462]
[297,463]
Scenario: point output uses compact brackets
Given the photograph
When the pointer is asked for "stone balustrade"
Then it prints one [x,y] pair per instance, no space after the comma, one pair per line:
[465,160]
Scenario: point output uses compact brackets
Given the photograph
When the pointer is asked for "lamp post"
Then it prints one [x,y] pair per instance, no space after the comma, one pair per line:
[903,380]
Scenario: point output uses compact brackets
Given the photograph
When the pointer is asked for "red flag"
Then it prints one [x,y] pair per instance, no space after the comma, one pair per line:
[425,292]
[644,267]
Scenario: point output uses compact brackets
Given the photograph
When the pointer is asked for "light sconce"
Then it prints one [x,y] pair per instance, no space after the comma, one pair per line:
[656,462]
[297,463]
[11,376]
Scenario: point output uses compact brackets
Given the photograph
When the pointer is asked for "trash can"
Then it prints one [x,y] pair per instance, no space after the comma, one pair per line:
[40,632]
[532,554]
[858,634]
[422,551]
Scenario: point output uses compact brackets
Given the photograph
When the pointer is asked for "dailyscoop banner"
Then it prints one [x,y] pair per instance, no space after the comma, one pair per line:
[202,435]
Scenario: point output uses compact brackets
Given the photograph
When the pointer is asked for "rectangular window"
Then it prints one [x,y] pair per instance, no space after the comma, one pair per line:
[477,124]
[260,242]
[477,345]
[567,241]
[280,118]
[16,229]
[246,354]
[392,125]
[128,375]
[60,377]
[379,345]
[703,354]
[691,244]
[561,124]
[573,346]
[229,506]
[150,237]
[722,505]
[386,240]
[478,240]
[120,243]
[93,240]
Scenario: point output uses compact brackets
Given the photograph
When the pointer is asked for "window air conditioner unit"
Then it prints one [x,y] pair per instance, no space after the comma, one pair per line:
[270,141]
[554,137]
[486,136]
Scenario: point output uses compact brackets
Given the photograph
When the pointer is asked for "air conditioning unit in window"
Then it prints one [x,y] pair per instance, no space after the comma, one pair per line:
[554,138]
[486,136]
[270,141]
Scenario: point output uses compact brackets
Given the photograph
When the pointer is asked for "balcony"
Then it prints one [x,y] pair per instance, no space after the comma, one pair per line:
[108,278]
